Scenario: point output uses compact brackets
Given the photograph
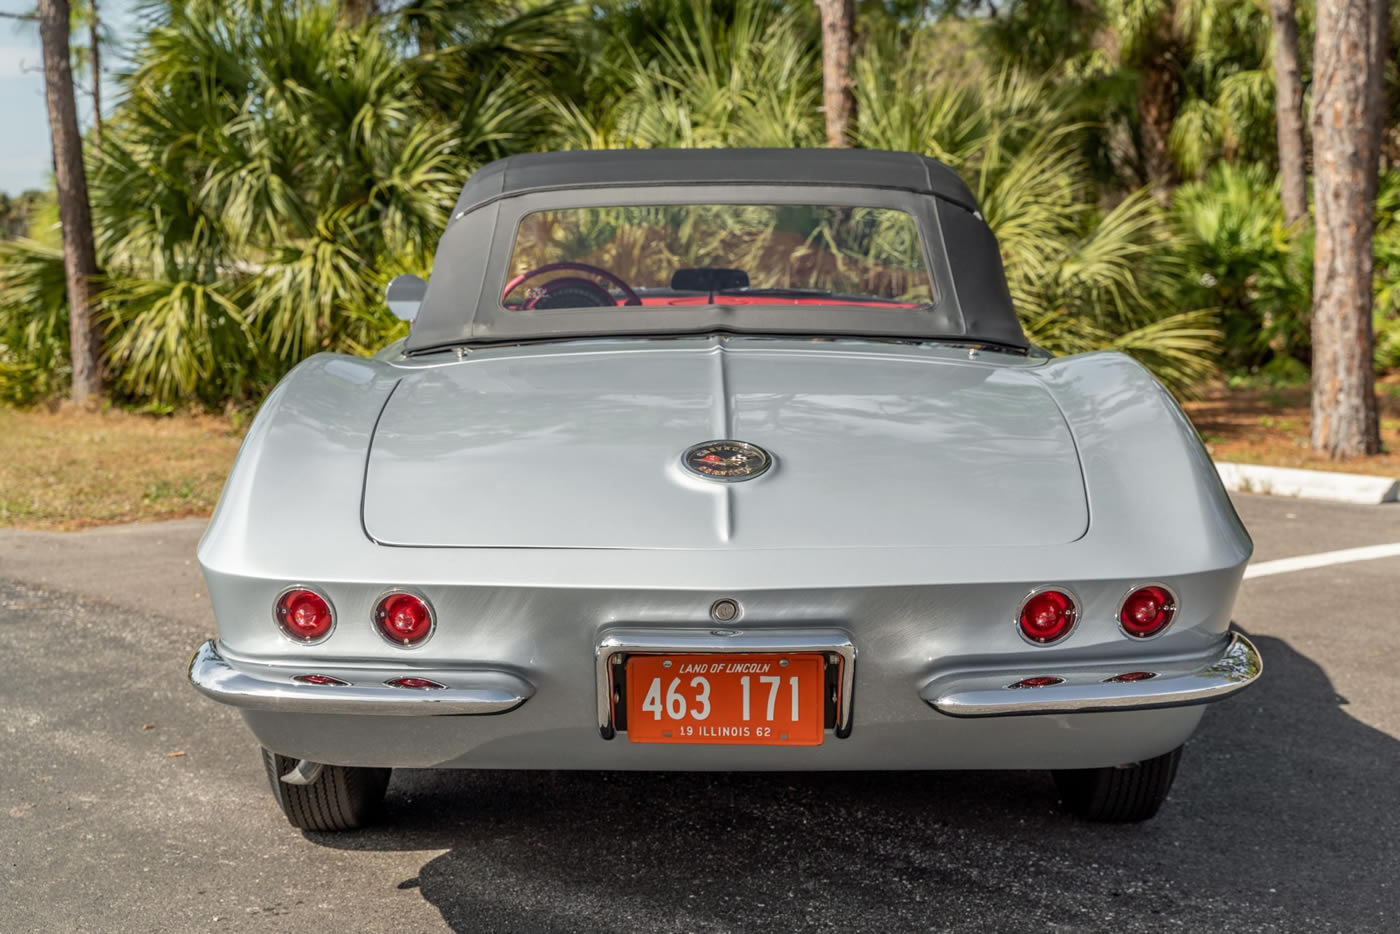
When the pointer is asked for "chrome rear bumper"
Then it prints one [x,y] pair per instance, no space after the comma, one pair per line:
[1085,688]
[1082,688]
[364,691]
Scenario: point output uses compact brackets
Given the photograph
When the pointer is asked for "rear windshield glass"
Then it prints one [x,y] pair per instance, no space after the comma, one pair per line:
[720,254]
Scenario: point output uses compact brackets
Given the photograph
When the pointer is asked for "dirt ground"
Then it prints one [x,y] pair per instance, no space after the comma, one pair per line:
[70,469]
[1272,426]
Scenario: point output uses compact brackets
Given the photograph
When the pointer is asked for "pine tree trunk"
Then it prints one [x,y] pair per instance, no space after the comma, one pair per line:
[1348,64]
[1288,106]
[95,56]
[79,256]
[838,93]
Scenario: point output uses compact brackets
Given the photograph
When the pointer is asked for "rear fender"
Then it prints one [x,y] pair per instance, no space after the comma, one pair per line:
[1152,489]
[303,461]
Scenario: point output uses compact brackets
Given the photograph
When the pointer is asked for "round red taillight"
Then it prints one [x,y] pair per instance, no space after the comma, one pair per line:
[304,615]
[403,618]
[1048,616]
[1147,611]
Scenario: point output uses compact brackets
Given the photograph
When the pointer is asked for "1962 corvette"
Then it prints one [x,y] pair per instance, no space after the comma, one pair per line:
[720,460]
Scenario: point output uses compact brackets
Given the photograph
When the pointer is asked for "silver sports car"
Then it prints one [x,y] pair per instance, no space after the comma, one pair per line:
[720,460]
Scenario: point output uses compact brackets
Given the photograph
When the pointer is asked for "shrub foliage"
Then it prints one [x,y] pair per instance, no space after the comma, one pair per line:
[269,168]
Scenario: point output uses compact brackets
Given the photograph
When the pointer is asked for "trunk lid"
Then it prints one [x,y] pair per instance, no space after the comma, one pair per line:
[579,448]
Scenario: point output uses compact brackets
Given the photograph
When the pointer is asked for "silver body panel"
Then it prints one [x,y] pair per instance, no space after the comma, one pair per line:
[919,492]
[582,450]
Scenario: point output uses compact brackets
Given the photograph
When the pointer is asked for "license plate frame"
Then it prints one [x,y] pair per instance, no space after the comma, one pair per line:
[616,643]
[775,699]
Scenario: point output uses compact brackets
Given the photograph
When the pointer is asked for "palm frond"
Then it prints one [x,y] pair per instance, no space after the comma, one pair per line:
[33,321]
[1182,350]
[175,340]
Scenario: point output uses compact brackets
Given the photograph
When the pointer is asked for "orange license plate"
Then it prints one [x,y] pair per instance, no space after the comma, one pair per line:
[750,700]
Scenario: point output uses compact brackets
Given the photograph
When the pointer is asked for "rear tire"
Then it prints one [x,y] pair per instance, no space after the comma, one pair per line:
[1119,794]
[342,797]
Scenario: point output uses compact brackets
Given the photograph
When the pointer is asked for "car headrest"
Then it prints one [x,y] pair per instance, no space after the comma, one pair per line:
[709,277]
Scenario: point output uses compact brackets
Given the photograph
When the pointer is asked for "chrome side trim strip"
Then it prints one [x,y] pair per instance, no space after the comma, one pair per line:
[1175,683]
[467,692]
[614,644]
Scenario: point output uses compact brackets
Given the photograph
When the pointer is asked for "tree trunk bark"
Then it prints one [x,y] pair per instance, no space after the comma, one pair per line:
[1348,64]
[95,56]
[838,91]
[427,41]
[1157,107]
[356,12]
[1288,108]
[79,256]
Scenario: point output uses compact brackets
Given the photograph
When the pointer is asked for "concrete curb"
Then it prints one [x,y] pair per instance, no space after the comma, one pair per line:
[1309,484]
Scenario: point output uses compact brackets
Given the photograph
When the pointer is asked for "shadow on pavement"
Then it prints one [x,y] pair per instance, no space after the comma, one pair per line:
[1286,814]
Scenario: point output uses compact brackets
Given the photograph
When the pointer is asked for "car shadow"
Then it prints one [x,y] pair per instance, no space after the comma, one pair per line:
[1286,814]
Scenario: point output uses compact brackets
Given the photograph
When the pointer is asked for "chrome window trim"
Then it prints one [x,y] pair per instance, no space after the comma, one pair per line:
[404,646]
[1074,624]
[282,628]
[615,644]
[1118,613]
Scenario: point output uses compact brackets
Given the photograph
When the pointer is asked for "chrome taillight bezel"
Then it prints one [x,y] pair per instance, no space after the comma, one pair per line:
[281,624]
[396,643]
[1174,608]
[1075,602]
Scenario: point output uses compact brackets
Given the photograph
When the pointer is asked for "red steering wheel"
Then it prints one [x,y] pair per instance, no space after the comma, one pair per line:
[571,282]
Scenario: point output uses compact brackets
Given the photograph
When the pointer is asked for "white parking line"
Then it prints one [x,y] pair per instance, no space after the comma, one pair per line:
[1321,560]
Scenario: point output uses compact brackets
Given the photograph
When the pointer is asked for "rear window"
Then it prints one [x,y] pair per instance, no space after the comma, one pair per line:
[718,254]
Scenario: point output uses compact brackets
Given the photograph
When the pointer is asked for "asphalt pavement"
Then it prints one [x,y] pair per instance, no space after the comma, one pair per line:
[128,803]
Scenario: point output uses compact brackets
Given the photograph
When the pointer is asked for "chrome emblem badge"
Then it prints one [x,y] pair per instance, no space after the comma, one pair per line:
[730,461]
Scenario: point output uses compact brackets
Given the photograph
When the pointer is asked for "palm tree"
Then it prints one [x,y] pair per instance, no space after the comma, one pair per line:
[267,172]
[1228,98]
[268,169]
[1174,84]
[1081,279]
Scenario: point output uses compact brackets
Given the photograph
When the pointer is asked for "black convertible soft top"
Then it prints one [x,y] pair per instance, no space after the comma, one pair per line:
[463,303]
[597,168]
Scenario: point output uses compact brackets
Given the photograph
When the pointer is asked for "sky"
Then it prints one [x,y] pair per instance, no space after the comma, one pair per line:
[25,160]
